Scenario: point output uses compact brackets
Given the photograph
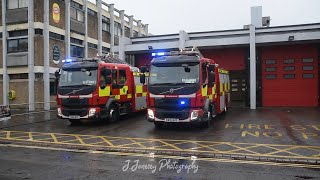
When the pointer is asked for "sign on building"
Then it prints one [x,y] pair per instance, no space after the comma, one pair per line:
[56,54]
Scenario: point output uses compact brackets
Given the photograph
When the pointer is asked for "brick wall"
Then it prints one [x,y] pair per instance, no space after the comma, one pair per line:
[39,10]
[92,52]
[61,46]
[106,37]
[21,89]
[92,27]
[38,50]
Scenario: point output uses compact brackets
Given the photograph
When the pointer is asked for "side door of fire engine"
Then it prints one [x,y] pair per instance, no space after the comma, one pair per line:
[120,85]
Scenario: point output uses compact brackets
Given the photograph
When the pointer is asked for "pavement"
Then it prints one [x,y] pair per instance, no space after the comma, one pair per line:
[276,137]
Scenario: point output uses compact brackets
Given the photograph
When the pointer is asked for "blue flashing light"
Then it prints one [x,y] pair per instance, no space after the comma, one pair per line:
[182,102]
[67,60]
[158,54]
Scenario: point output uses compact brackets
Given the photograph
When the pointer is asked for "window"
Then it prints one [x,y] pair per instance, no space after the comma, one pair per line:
[76,5]
[270,61]
[105,50]
[307,76]
[92,12]
[76,51]
[204,74]
[307,60]
[106,19]
[53,88]
[135,34]
[105,26]
[117,29]
[18,76]
[77,14]
[307,68]
[270,69]
[114,76]
[18,33]
[93,46]
[17,45]
[288,76]
[289,61]
[76,41]
[271,76]
[56,36]
[15,4]
[288,68]
[122,76]
[38,31]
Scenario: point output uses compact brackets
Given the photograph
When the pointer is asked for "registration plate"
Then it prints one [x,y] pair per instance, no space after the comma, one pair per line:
[74,117]
[171,120]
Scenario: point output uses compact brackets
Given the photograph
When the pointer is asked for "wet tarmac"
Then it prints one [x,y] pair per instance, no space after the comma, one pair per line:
[26,163]
[288,126]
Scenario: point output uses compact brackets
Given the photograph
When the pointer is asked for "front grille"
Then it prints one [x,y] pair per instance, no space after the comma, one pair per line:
[74,112]
[172,114]
[75,102]
[171,103]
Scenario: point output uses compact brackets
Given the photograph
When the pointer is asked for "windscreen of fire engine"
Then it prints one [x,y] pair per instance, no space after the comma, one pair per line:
[78,77]
[174,73]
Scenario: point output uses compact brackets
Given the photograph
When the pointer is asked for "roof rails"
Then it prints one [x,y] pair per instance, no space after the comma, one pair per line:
[194,51]
[114,58]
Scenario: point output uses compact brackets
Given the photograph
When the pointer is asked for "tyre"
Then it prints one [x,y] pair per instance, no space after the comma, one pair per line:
[206,119]
[113,114]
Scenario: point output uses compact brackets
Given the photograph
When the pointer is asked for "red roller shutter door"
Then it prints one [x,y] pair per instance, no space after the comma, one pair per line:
[290,76]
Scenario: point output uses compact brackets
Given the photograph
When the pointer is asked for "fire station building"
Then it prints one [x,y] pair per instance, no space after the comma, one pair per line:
[36,35]
[269,66]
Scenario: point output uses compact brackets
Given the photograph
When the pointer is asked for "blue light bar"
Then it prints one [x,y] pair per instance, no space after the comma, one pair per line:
[182,102]
[67,60]
[158,54]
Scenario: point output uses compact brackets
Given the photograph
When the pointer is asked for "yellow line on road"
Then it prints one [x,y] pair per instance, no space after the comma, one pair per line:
[169,157]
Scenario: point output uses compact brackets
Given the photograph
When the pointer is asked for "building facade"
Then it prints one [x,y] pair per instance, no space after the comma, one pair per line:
[269,66]
[36,35]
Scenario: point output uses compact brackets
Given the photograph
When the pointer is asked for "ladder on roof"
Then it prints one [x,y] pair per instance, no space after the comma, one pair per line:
[194,51]
[114,58]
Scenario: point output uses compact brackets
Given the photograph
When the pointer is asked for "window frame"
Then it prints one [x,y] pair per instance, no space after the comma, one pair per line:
[18,4]
[19,49]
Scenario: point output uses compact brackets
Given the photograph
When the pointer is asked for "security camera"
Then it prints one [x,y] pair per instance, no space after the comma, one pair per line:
[266,21]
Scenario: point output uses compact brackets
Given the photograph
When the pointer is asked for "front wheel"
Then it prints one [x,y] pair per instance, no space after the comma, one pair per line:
[206,119]
[113,114]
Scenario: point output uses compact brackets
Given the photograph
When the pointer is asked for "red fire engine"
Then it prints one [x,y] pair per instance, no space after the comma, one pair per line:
[94,88]
[184,86]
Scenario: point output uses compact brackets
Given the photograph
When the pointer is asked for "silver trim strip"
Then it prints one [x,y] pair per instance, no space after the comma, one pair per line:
[80,96]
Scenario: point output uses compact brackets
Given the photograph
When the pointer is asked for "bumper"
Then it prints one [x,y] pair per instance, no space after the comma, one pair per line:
[159,116]
[69,114]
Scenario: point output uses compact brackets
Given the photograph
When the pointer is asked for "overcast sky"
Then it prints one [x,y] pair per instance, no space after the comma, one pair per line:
[170,16]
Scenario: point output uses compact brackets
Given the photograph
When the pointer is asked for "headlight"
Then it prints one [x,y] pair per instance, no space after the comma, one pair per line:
[150,114]
[194,114]
[59,112]
[92,112]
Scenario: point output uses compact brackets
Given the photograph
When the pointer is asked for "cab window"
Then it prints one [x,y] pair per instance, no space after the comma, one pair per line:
[122,76]
[204,74]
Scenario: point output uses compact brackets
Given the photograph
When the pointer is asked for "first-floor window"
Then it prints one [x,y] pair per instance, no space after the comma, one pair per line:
[53,88]
[76,51]
[17,45]
[15,4]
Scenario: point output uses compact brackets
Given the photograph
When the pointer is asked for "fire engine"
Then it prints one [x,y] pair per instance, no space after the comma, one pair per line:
[104,87]
[183,86]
